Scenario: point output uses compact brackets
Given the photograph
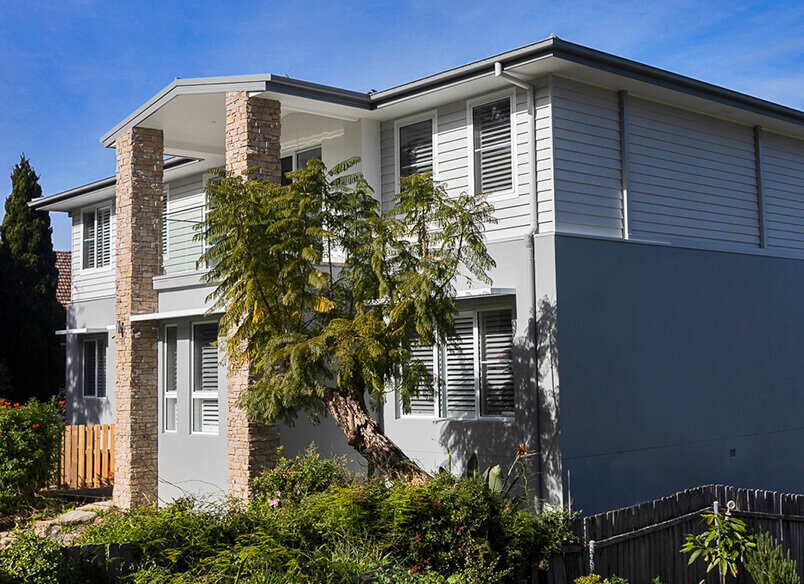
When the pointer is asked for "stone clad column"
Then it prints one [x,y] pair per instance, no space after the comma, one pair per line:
[252,140]
[138,196]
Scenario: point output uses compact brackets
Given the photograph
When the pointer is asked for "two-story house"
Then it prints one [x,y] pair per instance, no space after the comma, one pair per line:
[645,329]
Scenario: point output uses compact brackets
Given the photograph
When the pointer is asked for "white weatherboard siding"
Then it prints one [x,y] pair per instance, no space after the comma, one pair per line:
[693,177]
[544,155]
[586,147]
[185,209]
[783,191]
[452,145]
[98,282]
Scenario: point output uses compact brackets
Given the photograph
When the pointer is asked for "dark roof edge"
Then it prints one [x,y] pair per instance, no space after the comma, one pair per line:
[171,163]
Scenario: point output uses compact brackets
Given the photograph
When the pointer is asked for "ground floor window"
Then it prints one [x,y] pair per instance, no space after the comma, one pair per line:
[205,378]
[94,367]
[472,371]
[171,378]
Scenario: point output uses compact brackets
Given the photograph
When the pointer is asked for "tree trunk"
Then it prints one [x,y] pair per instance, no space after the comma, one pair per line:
[364,434]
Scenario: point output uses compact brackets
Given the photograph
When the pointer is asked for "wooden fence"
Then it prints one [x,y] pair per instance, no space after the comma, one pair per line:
[87,456]
[643,541]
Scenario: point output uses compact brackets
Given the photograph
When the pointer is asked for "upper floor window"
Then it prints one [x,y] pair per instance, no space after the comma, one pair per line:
[473,372]
[97,241]
[492,143]
[297,160]
[94,356]
[416,148]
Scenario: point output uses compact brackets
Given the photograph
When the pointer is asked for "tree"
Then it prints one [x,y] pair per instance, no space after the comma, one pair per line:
[325,296]
[29,349]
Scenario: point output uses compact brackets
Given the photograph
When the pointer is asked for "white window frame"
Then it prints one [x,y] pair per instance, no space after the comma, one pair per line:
[470,141]
[165,393]
[104,342]
[439,354]
[94,211]
[202,394]
[408,121]
[294,155]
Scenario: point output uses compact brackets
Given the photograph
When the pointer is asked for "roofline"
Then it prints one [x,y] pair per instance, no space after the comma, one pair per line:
[257,83]
[561,49]
[38,203]
[550,47]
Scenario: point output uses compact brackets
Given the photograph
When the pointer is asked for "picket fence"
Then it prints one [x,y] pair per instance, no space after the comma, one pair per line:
[87,456]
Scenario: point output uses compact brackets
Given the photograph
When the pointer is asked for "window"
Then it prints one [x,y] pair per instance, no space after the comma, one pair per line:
[493,153]
[205,378]
[296,161]
[473,368]
[416,148]
[170,381]
[94,355]
[97,252]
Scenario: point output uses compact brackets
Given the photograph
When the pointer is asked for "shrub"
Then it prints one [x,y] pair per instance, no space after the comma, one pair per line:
[31,559]
[293,479]
[30,438]
[768,564]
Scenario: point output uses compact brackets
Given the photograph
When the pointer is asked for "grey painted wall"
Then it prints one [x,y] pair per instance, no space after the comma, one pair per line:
[669,359]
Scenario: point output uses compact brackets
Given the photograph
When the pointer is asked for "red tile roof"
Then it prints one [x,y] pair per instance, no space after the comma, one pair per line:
[64,266]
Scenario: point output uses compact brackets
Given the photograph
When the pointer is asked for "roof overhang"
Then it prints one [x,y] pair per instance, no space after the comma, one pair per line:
[103,189]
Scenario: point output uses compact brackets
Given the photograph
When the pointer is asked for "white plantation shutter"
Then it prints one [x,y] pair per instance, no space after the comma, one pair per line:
[104,239]
[459,367]
[205,406]
[492,143]
[165,195]
[496,372]
[416,148]
[424,405]
[171,361]
[89,240]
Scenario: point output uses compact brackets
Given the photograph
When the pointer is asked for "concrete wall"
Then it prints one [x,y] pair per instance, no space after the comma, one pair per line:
[678,367]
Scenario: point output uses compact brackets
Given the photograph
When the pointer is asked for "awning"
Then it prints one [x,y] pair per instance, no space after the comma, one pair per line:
[85,331]
[173,314]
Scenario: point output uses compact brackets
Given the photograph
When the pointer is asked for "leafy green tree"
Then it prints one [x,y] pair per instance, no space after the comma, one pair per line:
[29,349]
[723,545]
[325,296]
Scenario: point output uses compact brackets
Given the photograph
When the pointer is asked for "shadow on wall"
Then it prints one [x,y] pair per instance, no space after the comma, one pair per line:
[536,411]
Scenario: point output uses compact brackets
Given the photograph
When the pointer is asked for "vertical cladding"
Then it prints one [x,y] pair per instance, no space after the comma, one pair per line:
[252,140]
[138,194]
[783,191]
[693,177]
[586,155]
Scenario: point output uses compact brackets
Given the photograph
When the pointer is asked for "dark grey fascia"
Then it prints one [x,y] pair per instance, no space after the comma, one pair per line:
[175,162]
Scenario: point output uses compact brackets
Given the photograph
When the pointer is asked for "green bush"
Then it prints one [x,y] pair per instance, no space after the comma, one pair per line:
[293,479]
[30,438]
[768,564]
[330,527]
[31,559]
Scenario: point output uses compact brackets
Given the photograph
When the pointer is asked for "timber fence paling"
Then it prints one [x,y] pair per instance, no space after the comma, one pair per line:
[644,541]
[87,457]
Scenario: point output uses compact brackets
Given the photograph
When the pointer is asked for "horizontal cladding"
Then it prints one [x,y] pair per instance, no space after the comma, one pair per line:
[783,191]
[97,283]
[586,158]
[692,177]
[544,155]
[452,162]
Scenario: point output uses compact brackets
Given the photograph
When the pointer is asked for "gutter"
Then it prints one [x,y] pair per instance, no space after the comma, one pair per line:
[530,245]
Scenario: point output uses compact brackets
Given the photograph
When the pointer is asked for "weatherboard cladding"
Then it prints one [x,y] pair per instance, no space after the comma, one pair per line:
[185,210]
[98,282]
[783,190]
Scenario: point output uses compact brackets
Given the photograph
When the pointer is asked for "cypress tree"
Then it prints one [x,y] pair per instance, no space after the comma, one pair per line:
[30,352]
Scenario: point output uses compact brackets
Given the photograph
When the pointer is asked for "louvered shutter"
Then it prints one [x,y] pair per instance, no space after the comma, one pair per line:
[104,237]
[89,240]
[101,369]
[90,368]
[206,357]
[165,195]
[424,404]
[209,415]
[416,148]
[492,139]
[496,363]
[171,362]
[460,370]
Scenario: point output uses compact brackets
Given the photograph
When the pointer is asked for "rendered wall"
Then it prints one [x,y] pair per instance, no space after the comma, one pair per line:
[678,368]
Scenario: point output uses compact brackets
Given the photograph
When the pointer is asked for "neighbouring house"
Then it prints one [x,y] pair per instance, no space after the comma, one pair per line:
[644,332]
[64,268]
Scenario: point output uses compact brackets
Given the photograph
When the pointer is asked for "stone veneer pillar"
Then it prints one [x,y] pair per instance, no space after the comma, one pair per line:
[138,196]
[252,140]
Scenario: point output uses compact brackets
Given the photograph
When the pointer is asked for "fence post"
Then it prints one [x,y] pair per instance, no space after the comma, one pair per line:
[591,556]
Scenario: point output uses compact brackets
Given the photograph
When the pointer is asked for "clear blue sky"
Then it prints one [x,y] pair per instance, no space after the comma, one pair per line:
[70,70]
